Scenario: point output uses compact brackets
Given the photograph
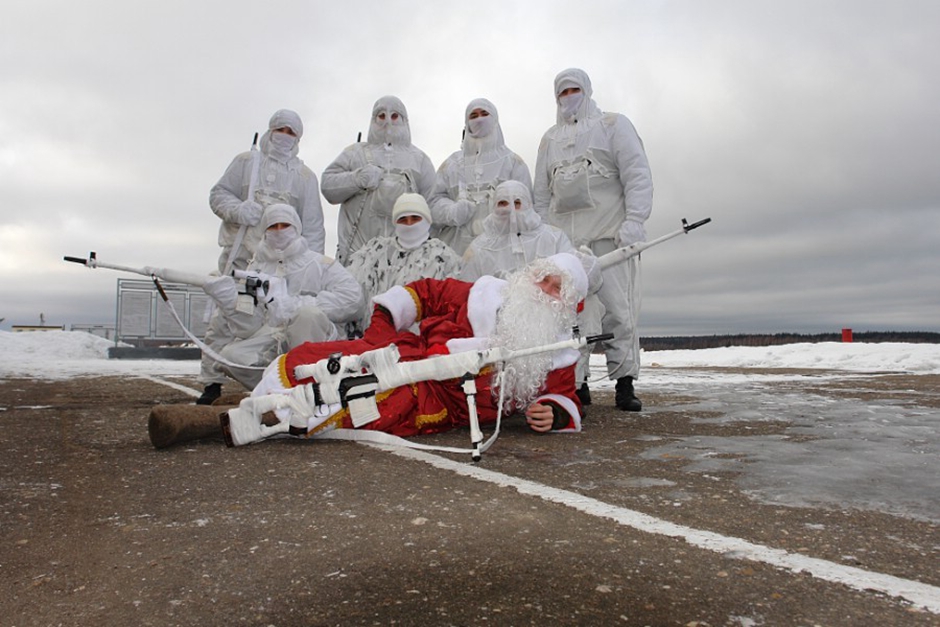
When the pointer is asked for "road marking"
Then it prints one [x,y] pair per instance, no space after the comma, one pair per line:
[920,594]
[175,386]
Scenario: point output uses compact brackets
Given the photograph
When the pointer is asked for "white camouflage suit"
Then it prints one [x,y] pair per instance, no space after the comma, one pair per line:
[282,178]
[513,236]
[308,298]
[408,255]
[592,180]
[366,178]
[468,178]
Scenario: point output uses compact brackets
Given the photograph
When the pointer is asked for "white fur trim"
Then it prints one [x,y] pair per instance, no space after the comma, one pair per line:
[568,405]
[401,304]
[485,298]
[565,357]
[572,265]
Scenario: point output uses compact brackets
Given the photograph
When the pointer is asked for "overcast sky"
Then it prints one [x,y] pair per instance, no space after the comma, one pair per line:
[807,130]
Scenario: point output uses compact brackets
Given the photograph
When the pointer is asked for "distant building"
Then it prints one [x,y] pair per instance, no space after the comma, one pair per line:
[144,319]
[20,328]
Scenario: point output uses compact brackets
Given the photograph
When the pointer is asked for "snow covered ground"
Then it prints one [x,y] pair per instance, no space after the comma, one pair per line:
[62,354]
[879,455]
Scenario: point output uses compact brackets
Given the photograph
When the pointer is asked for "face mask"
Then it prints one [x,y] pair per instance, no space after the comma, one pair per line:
[481,126]
[279,239]
[283,143]
[392,129]
[515,243]
[503,210]
[569,104]
[410,236]
[385,118]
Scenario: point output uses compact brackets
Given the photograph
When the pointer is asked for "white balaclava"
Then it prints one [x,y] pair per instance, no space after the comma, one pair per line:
[281,146]
[509,220]
[280,240]
[389,122]
[411,236]
[484,132]
[574,107]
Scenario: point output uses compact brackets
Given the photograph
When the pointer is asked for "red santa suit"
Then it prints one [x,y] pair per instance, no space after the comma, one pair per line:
[452,316]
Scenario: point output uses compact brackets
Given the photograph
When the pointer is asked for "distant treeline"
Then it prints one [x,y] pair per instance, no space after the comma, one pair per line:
[767,339]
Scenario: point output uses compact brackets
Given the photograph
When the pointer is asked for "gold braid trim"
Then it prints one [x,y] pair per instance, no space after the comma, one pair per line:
[333,422]
[282,371]
[336,420]
[427,419]
[414,297]
[430,419]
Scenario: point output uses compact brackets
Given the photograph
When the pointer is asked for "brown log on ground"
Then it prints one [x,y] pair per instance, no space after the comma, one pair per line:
[229,398]
[174,424]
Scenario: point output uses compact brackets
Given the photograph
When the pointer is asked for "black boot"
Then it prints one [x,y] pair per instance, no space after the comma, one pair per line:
[626,399]
[209,394]
[584,394]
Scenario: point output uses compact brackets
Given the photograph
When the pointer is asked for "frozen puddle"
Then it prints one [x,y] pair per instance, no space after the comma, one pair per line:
[837,453]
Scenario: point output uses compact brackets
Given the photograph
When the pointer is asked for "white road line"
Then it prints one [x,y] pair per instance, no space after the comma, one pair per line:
[175,386]
[920,594]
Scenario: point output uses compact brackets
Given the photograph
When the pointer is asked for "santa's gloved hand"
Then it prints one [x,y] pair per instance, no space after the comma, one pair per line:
[382,317]
[223,291]
[462,211]
[368,176]
[631,232]
[248,213]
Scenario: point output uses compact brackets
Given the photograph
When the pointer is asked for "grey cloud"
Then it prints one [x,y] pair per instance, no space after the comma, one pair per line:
[806,130]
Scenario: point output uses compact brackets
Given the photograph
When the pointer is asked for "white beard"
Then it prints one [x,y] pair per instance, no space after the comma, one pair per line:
[528,318]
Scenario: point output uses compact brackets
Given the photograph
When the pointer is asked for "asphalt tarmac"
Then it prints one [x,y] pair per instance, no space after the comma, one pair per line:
[716,505]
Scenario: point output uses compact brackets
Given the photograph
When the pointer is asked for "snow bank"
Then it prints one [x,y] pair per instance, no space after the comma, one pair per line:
[855,356]
[52,345]
[62,354]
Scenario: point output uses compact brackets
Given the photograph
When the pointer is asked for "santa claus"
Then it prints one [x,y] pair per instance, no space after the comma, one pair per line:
[535,306]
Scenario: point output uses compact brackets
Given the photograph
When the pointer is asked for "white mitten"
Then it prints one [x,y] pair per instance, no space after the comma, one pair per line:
[591,268]
[462,211]
[261,280]
[223,291]
[281,305]
[367,177]
[248,213]
[631,232]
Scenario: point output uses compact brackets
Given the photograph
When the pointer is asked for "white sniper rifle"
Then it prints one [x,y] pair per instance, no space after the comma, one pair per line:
[622,254]
[251,280]
[249,285]
[353,381]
